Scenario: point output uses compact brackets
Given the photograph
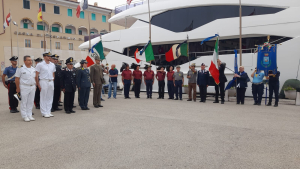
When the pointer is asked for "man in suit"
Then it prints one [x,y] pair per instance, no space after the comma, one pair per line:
[221,86]
[84,85]
[274,87]
[202,82]
[68,85]
[242,79]
[56,84]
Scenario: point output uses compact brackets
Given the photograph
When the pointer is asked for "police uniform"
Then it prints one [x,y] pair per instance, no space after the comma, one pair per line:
[57,89]
[27,86]
[258,87]
[274,88]
[126,77]
[77,69]
[68,84]
[84,86]
[37,91]
[178,78]
[160,76]
[10,73]
[202,82]
[220,88]
[149,80]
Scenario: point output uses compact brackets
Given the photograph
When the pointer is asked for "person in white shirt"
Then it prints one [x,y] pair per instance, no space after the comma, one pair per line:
[45,81]
[25,83]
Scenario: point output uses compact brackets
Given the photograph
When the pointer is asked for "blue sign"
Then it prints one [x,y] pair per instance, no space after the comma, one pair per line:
[267,59]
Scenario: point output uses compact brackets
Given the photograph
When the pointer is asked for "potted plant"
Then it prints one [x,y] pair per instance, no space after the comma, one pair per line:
[185,89]
[290,93]
[231,92]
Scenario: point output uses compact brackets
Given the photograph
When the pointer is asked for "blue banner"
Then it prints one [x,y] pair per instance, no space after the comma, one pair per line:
[267,59]
[209,38]
[236,71]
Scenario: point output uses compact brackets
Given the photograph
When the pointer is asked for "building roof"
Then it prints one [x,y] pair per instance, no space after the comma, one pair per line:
[90,5]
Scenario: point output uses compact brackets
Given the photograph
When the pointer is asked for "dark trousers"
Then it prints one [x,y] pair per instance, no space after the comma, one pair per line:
[127,84]
[137,87]
[56,95]
[37,97]
[161,89]
[178,88]
[241,95]
[203,92]
[84,96]
[149,87]
[257,91]
[220,88]
[68,101]
[273,88]
[171,89]
[13,102]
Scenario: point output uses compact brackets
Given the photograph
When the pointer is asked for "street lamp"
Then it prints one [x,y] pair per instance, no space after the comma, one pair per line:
[15,23]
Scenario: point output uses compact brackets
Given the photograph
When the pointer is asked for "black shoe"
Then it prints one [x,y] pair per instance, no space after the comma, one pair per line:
[17,110]
[180,98]
[68,112]
[128,98]
[170,98]
[100,106]
[222,102]
[162,98]
[176,99]
[57,109]
[242,103]
[102,100]
[158,98]
[13,111]
[96,106]
[52,110]
[37,107]
[237,103]
[216,102]
[72,111]
[255,103]
[138,97]
[59,104]
[259,104]
[150,97]
[189,100]
[269,104]
[276,105]
[87,108]
[201,101]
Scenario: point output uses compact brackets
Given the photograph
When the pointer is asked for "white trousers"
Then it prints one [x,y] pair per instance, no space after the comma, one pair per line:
[27,99]
[46,96]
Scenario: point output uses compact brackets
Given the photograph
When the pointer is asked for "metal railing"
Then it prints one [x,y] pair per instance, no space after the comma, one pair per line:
[124,7]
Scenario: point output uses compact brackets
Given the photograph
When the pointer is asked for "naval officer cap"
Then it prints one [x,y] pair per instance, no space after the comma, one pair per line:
[202,64]
[13,58]
[55,57]
[69,61]
[83,61]
[47,54]
[38,59]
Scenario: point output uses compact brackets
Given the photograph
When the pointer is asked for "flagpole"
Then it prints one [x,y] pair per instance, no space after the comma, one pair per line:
[241,33]
[11,46]
[90,45]
[188,50]
[149,24]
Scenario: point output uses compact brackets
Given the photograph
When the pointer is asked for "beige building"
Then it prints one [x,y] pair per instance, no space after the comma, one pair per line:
[67,31]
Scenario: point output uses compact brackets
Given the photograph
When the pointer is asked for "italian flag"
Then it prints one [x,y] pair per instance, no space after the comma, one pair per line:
[135,55]
[96,50]
[176,51]
[146,54]
[213,69]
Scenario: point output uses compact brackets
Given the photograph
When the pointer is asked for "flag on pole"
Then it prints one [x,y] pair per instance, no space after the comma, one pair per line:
[146,54]
[83,5]
[96,50]
[232,82]
[135,55]
[40,15]
[129,2]
[176,51]
[7,21]
[213,69]
[209,38]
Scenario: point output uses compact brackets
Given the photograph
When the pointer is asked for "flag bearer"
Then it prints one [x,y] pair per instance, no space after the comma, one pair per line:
[242,79]
[37,91]
[178,82]
[10,72]
[220,88]
[160,76]
[257,86]
[68,85]
[137,80]
[202,82]
[26,84]
[56,84]
[274,87]
[149,80]
[170,84]
[192,76]
[45,73]
[84,85]
[126,79]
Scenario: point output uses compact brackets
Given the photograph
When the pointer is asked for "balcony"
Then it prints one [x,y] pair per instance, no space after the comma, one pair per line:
[121,8]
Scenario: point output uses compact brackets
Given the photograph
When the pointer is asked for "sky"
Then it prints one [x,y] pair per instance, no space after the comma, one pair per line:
[108,3]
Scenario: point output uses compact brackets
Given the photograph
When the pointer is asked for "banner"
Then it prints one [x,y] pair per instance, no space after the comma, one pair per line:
[267,59]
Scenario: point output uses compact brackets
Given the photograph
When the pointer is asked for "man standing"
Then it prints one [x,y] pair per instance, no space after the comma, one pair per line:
[160,77]
[126,79]
[257,86]
[203,81]
[149,80]
[137,81]
[170,82]
[178,82]
[56,84]
[68,85]
[221,86]
[84,85]
[242,79]
[45,73]
[37,91]
[273,87]
[10,72]
[25,83]
[192,76]
[113,80]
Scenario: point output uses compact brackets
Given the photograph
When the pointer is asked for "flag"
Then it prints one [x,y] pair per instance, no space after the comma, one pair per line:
[176,51]
[83,5]
[232,82]
[96,50]
[7,21]
[135,55]
[90,59]
[40,15]
[146,54]
[128,2]
[213,69]
[209,38]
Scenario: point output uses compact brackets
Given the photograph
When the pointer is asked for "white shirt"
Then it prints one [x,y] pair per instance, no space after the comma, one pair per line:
[26,75]
[45,70]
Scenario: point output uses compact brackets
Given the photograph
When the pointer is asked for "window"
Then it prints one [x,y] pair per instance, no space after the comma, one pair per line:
[70,46]
[43,6]
[40,27]
[69,31]
[27,43]
[80,32]
[82,15]
[55,29]
[93,17]
[56,10]
[57,45]
[103,18]
[25,25]
[42,44]
[195,17]
[26,4]
[92,33]
[70,12]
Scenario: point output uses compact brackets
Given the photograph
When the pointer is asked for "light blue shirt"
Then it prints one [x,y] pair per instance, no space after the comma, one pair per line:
[258,77]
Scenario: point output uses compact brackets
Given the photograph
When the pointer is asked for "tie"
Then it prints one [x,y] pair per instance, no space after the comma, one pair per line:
[202,71]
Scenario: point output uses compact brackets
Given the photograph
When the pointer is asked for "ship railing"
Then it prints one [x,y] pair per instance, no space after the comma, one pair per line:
[124,7]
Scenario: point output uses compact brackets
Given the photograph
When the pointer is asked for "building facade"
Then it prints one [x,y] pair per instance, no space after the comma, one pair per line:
[63,31]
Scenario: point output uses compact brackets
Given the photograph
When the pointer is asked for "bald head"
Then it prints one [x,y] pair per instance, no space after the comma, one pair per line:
[113,66]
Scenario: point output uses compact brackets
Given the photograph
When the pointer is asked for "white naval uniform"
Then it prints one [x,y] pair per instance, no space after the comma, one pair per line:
[47,86]
[27,89]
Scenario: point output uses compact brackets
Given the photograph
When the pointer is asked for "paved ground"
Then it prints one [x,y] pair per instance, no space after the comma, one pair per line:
[153,134]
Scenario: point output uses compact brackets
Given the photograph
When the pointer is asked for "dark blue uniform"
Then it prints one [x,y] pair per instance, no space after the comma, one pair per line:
[84,85]
[68,82]
[202,82]
[242,84]
[57,89]
[10,72]
[274,88]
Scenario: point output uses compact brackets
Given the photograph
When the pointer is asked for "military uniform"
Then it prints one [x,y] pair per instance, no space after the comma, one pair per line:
[57,89]
[84,86]
[68,84]
[97,78]
[37,91]
[202,82]
[192,74]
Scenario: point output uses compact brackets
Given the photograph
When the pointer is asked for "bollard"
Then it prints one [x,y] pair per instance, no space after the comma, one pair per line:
[226,96]
[298,99]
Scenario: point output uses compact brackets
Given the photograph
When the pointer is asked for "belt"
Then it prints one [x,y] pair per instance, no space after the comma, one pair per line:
[258,83]
[47,80]
[27,85]
[177,80]
[127,79]
[10,81]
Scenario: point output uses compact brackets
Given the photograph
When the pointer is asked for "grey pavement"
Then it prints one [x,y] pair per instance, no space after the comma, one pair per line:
[146,134]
